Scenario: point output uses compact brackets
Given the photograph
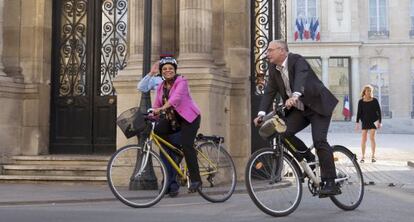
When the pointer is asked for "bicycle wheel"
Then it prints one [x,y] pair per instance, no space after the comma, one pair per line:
[132,179]
[349,178]
[276,195]
[217,171]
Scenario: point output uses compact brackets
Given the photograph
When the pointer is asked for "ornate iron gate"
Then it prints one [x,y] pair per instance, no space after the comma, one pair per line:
[89,48]
[268,22]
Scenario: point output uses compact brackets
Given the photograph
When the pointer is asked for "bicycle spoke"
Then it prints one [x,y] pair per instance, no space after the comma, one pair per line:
[136,178]
[276,189]
[217,172]
[349,178]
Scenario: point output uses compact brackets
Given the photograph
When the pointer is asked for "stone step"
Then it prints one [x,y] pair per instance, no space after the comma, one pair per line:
[54,170]
[61,160]
[70,169]
[52,179]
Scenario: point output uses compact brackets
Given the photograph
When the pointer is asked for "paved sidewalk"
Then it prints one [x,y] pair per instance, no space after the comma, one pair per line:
[395,151]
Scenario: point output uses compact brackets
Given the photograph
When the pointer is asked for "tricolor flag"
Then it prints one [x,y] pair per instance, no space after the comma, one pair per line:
[346,111]
[298,29]
[315,30]
[306,33]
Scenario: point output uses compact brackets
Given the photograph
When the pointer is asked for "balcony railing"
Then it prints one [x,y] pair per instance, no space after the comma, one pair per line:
[378,34]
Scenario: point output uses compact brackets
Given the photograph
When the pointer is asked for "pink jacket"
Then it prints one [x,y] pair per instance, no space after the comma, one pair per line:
[180,99]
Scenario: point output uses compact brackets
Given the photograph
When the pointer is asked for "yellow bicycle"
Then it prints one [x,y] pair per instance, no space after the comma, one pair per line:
[138,177]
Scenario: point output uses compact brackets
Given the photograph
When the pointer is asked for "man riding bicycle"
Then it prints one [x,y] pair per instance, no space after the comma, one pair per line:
[307,101]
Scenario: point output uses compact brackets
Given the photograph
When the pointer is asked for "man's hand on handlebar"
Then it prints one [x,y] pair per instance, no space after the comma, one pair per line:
[291,102]
[258,121]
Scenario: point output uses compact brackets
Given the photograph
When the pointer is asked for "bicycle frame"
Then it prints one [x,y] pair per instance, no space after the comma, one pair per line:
[153,137]
[281,150]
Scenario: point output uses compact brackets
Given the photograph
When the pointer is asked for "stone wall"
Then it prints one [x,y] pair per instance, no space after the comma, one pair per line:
[25,84]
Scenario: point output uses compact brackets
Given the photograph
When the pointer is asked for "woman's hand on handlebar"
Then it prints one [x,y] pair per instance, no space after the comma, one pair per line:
[155,111]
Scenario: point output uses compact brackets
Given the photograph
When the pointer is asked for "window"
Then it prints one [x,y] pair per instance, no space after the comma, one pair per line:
[380,81]
[412,18]
[306,9]
[339,76]
[316,65]
[378,18]
[412,88]
[306,21]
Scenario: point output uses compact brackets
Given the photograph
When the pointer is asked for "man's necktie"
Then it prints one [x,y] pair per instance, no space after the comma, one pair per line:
[299,105]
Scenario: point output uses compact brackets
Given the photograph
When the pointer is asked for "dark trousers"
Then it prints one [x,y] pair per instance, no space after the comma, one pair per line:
[297,120]
[174,139]
[188,135]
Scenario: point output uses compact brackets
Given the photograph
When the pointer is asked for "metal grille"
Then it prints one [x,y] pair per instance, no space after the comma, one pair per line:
[114,45]
[72,71]
[269,22]
[261,38]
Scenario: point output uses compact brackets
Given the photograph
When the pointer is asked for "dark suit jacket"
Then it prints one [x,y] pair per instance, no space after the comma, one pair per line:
[303,79]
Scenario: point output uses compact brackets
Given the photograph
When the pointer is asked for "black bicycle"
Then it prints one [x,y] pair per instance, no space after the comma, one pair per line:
[274,178]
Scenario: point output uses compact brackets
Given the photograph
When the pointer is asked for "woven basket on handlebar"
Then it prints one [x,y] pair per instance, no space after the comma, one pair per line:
[131,122]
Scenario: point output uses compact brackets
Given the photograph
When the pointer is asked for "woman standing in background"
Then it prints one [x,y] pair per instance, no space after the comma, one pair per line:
[369,112]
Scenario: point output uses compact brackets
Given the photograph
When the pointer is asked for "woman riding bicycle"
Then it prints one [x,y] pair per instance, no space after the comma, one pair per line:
[181,114]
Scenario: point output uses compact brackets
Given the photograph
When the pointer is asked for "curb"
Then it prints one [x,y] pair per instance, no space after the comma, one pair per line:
[61,201]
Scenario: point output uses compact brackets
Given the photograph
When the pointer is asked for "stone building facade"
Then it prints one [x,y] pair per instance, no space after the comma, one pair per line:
[362,42]
[348,43]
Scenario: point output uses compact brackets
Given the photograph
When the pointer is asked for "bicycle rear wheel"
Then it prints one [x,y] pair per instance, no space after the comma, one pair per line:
[217,171]
[349,178]
[276,194]
[138,179]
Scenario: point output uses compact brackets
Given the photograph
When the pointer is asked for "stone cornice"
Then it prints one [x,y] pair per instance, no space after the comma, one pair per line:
[326,49]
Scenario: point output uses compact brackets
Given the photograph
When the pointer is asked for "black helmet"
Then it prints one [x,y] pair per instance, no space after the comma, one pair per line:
[168,60]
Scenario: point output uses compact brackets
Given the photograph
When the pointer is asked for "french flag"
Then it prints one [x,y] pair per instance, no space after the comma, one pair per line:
[298,29]
[346,111]
[314,30]
[306,34]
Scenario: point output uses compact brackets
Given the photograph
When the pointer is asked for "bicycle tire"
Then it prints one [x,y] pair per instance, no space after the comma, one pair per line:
[352,188]
[217,171]
[128,186]
[276,197]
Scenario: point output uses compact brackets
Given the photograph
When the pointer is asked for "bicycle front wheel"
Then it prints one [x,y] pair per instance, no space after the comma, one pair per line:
[349,179]
[217,171]
[137,178]
[275,191]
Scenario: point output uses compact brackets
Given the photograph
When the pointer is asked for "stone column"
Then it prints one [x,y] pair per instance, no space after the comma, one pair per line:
[325,71]
[1,38]
[136,35]
[355,85]
[126,81]
[196,23]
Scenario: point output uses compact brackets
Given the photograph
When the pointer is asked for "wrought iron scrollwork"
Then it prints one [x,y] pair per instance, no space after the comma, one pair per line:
[114,42]
[261,40]
[264,24]
[283,17]
[72,71]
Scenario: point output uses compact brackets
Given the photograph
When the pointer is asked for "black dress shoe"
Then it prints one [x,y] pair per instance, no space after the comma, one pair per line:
[329,189]
[194,186]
